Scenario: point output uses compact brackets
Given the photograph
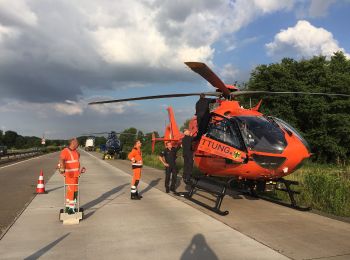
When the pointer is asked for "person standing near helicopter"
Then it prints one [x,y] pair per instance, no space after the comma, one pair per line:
[135,156]
[168,158]
[187,152]
[203,114]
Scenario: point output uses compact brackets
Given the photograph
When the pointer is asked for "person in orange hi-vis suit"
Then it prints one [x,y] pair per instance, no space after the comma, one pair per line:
[135,156]
[69,166]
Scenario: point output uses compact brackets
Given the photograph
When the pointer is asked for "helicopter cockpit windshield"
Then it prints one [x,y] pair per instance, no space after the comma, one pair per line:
[292,130]
[261,134]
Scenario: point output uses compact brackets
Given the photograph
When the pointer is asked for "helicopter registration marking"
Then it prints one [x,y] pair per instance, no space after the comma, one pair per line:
[214,147]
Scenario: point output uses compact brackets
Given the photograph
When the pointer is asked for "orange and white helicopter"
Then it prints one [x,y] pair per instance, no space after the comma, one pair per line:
[240,145]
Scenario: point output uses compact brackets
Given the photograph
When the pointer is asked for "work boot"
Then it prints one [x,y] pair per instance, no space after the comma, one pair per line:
[138,195]
[134,197]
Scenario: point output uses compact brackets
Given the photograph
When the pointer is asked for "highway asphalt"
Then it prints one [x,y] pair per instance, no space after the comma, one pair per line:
[18,184]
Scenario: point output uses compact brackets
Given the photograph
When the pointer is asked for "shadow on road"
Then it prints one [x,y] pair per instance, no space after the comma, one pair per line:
[151,185]
[198,249]
[105,196]
[49,190]
[45,249]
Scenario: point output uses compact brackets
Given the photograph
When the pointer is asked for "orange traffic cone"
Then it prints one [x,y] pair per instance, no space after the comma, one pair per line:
[40,187]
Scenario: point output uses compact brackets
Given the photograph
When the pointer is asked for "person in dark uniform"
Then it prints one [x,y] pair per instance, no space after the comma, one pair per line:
[188,155]
[203,114]
[168,158]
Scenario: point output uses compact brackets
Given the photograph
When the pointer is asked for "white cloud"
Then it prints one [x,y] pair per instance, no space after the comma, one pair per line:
[229,73]
[67,108]
[81,106]
[61,49]
[52,51]
[166,33]
[268,6]
[303,40]
[70,107]
[118,108]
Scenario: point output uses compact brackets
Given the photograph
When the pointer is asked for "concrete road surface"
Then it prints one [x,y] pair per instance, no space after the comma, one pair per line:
[296,234]
[157,227]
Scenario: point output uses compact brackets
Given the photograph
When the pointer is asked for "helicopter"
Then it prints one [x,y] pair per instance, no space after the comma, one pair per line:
[239,146]
[114,147]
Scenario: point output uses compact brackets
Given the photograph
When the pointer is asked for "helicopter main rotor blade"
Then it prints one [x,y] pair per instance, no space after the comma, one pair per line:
[153,97]
[258,92]
[203,70]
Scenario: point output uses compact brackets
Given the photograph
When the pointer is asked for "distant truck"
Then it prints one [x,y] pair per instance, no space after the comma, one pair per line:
[3,150]
[90,144]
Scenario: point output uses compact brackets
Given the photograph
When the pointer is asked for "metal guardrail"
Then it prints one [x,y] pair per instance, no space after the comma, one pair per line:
[14,156]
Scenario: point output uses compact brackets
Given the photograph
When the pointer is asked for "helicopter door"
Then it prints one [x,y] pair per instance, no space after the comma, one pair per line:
[222,140]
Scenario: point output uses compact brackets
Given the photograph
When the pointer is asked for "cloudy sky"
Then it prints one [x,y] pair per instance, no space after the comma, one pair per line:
[57,55]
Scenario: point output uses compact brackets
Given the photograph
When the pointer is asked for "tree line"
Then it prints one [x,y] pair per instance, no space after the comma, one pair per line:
[13,140]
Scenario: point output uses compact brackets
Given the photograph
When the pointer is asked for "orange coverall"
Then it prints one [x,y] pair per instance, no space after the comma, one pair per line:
[72,171]
[136,157]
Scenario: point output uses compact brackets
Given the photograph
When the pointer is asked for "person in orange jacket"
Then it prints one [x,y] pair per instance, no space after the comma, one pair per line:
[69,166]
[135,156]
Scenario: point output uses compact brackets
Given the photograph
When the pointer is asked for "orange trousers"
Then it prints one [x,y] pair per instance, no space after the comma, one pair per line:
[136,176]
[70,189]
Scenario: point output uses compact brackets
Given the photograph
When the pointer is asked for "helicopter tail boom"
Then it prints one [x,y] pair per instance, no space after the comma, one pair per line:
[172,132]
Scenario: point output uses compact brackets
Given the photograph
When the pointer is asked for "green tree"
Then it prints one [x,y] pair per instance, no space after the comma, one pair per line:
[140,136]
[9,138]
[20,142]
[128,138]
[31,141]
[82,140]
[324,121]
[1,136]
[100,140]
[147,143]
[185,125]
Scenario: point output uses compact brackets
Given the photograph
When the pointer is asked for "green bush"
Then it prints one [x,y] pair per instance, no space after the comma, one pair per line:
[52,148]
[323,187]
[329,192]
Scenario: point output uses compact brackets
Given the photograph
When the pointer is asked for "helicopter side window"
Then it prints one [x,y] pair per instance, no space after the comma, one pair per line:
[224,131]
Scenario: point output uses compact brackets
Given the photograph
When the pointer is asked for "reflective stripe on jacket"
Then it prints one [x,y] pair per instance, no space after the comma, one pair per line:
[71,162]
[136,155]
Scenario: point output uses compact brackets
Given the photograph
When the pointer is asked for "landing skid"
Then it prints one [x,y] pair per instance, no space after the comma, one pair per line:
[217,189]
[252,191]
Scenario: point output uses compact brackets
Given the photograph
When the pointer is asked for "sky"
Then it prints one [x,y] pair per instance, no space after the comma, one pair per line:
[58,55]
